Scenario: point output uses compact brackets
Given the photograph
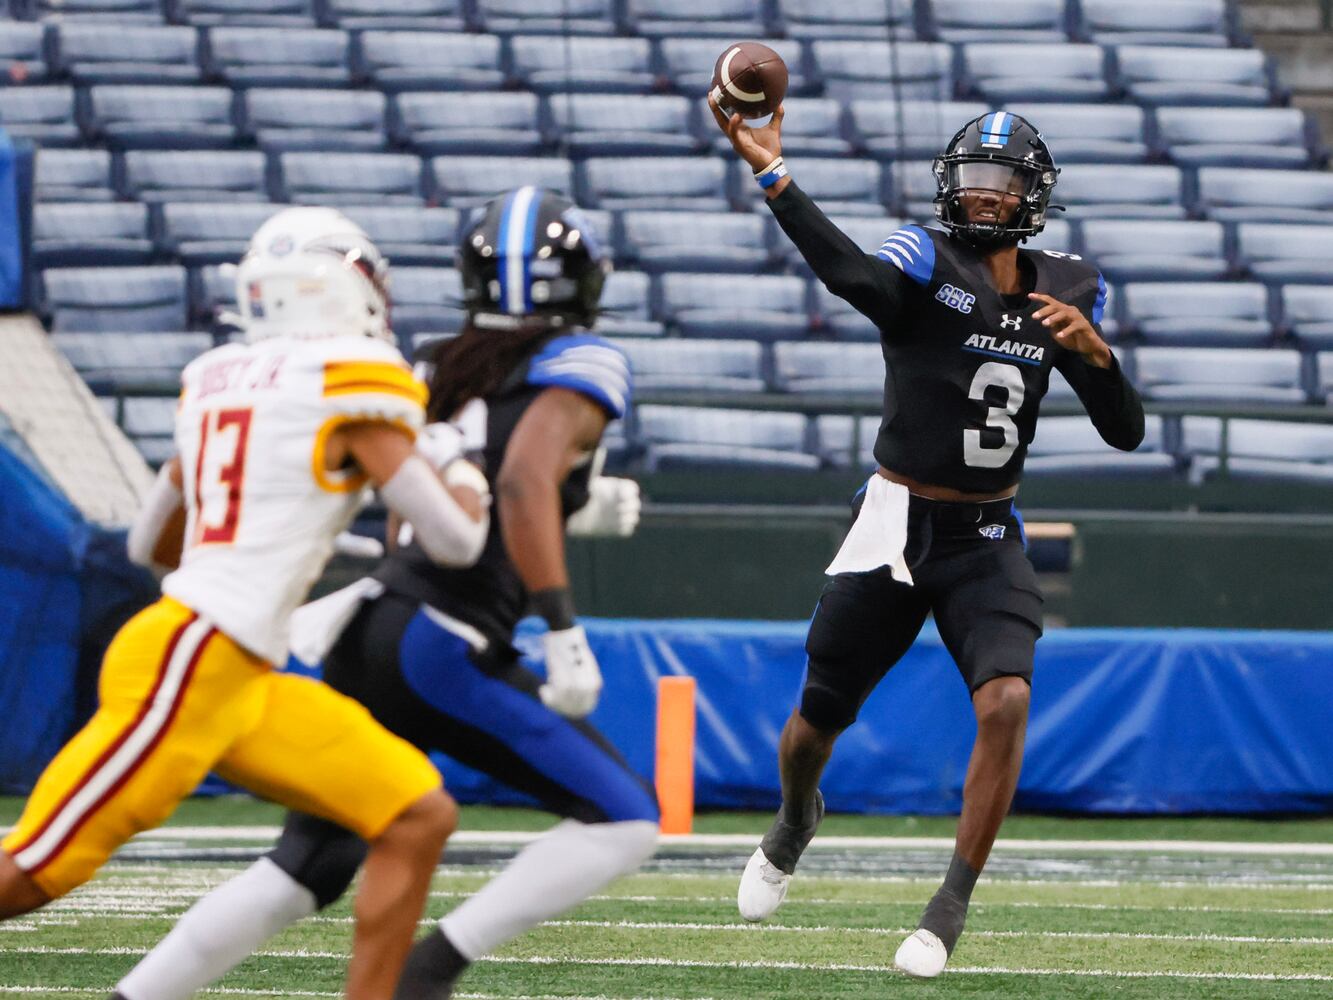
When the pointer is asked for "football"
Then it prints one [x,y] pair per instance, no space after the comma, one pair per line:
[749,79]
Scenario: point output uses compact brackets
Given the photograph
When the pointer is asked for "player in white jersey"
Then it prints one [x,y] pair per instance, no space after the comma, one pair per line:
[278,438]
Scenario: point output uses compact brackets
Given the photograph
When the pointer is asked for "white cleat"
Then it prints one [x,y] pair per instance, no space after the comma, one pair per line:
[763,887]
[922,955]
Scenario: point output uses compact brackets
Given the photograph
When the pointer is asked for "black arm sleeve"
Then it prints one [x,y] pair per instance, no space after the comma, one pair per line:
[872,286]
[1112,403]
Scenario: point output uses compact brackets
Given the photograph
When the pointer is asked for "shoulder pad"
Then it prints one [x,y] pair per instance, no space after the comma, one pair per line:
[370,379]
[586,364]
[912,251]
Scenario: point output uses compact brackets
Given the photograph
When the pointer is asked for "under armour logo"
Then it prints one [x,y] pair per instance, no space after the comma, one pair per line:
[1008,322]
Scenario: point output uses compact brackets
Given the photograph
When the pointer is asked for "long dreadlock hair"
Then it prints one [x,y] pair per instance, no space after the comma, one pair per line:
[476,362]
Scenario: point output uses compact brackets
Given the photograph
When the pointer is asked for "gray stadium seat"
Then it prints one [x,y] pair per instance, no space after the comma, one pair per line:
[1307,312]
[1071,446]
[1089,133]
[262,57]
[1219,375]
[169,175]
[118,12]
[1057,234]
[685,184]
[837,443]
[464,181]
[694,365]
[762,307]
[351,178]
[689,62]
[890,129]
[1235,194]
[1279,253]
[835,369]
[22,54]
[1121,192]
[730,18]
[267,13]
[77,234]
[597,125]
[812,128]
[1004,73]
[90,53]
[418,15]
[626,306]
[1324,376]
[684,437]
[849,19]
[212,293]
[419,60]
[330,120]
[43,115]
[1191,76]
[715,242]
[109,360]
[408,234]
[867,232]
[1147,250]
[92,299]
[484,124]
[139,117]
[611,65]
[1011,21]
[1202,314]
[841,187]
[210,233]
[837,317]
[72,174]
[426,299]
[1275,450]
[860,69]
[1152,22]
[549,17]
[149,416]
[914,188]
[1237,137]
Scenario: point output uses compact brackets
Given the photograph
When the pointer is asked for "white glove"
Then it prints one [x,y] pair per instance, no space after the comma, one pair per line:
[440,443]
[347,543]
[612,510]
[573,682]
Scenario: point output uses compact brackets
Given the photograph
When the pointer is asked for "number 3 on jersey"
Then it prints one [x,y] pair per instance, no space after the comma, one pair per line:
[1002,376]
[223,438]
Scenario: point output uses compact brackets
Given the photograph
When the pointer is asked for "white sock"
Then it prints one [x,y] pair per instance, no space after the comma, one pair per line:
[553,873]
[219,932]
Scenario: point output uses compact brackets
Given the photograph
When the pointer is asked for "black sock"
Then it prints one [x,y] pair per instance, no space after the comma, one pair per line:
[786,840]
[432,967]
[947,911]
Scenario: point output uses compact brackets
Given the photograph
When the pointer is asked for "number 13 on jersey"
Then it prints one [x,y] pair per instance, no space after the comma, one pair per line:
[219,475]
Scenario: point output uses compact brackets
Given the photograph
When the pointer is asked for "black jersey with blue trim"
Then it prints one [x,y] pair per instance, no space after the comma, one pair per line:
[490,595]
[966,367]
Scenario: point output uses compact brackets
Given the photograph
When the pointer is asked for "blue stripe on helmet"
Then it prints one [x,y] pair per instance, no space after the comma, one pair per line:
[501,243]
[530,245]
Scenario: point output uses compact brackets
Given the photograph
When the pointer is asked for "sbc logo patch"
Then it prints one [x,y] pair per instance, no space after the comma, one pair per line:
[955,298]
[992,531]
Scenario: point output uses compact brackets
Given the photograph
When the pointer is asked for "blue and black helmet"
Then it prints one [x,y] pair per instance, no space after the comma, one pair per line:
[996,152]
[532,253]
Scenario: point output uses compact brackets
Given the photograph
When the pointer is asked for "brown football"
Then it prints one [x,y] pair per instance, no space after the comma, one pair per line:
[749,79]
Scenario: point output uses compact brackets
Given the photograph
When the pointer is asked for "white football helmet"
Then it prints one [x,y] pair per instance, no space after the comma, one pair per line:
[312,273]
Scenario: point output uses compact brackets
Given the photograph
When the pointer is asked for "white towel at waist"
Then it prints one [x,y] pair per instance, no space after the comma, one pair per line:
[317,625]
[879,533]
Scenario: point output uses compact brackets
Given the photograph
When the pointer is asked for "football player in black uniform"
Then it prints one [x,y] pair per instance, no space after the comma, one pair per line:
[428,649]
[971,326]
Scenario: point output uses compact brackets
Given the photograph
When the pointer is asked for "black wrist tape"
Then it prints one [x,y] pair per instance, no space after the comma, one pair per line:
[556,605]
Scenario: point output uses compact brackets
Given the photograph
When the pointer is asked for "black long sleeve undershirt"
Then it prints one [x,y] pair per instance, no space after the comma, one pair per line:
[1112,402]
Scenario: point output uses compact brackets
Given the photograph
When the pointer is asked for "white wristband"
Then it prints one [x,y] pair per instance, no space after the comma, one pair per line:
[771,174]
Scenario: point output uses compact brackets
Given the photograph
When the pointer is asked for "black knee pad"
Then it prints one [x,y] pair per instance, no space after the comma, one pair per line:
[320,855]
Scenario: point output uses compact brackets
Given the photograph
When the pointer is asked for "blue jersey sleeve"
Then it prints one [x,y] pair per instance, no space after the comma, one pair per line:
[586,364]
[911,250]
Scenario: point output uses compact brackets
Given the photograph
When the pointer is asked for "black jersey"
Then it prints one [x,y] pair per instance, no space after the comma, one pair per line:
[966,367]
[489,594]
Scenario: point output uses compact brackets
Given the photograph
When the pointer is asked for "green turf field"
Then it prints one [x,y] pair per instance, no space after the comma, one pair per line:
[1181,920]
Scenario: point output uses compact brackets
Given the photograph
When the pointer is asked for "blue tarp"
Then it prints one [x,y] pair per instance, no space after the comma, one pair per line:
[15,192]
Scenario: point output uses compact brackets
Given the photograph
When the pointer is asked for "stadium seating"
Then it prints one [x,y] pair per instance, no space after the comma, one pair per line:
[1152,22]
[812,127]
[426,299]
[1178,76]
[1202,314]
[597,125]
[910,70]
[419,60]
[1307,313]
[83,235]
[170,175]
[1147,250]
[851,19]
[487,124]
[867,232]
[625,307]
[1003,73]
[72,174]
[1056,235]
[293,120]
[176,118]
[1089,133]
[684,437]
[407,234]
[552,17]
[1071,446]
[833,369]
[836,317]
[413,15]
[1238,137]
[1324,376]
[698,365]
[1281,253]
[605,65]
[92,299]
[352,178]
[845,442]
[202,233]
[1219,375]
[718,242]
[731,18]
[1011,21]
[129,12]
[678,183]
[688,64]
[212,295]
[464,181]
[268,13]
[262,57]
[110,361]
[762,307]
[22,55]
[44,115]
[1122,192]
[1258,449]
[894,130]
[90,53]
[842,187]
[1234,194]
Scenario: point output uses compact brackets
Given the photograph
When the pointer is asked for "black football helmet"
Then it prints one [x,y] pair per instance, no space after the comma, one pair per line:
[996,152]
[532,254]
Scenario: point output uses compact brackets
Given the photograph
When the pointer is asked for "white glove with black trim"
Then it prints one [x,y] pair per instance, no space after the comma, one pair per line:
[612,510]
[573,680]
[440,444]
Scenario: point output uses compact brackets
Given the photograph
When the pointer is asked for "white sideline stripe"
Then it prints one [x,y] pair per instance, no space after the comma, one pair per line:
[735,964]
[747,840]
